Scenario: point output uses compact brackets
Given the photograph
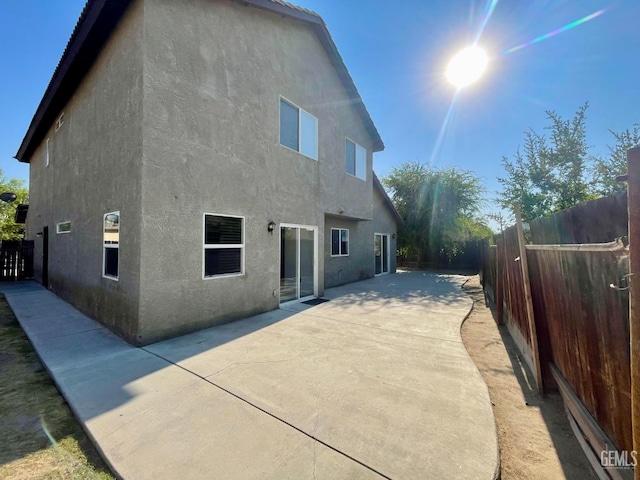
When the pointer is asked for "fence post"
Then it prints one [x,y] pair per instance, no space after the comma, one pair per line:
[531,321]
[633,196]
[500,280]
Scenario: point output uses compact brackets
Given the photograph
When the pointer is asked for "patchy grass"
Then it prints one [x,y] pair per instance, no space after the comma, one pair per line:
[39,436]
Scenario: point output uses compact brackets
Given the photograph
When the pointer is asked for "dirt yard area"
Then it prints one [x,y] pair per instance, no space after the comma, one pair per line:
[39,436]
[535,439]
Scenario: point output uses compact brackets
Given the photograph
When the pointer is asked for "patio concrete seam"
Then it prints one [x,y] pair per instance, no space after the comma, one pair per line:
[229,392]
[55,337]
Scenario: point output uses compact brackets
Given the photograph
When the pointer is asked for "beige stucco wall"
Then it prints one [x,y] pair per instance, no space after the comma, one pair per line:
[211,144]
[179,117]
[358,265]
[95,167]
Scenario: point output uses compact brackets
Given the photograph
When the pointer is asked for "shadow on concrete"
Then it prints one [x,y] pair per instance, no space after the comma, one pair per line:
[128,397]
[97,371]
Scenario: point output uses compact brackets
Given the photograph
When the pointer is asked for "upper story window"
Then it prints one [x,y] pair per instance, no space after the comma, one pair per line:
[63,227]
[60,121]
[223,245]
[111,245]
[355,160]
[298,130]
[339,242]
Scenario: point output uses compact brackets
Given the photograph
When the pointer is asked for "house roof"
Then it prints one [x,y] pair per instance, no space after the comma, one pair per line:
[387,201]
[96,23]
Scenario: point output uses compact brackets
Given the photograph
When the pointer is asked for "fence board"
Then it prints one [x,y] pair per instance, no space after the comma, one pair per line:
[515,307]
[488,269]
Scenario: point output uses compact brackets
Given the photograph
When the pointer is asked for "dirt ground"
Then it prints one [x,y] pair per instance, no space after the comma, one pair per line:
[536,441]
[39,436]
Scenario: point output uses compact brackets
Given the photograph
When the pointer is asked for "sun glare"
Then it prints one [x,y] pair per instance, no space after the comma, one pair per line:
[467,66]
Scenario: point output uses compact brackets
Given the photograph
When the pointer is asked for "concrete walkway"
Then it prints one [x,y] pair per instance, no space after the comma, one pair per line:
[375,383]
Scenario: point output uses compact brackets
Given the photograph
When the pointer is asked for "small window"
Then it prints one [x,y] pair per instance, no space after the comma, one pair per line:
[63,227]
[47,154]
[355,160]
[223,246]
[298,130]
[60,121]
[339,242]
[111,245]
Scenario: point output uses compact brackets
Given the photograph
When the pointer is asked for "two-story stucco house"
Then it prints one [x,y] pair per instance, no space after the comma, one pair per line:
[198,161]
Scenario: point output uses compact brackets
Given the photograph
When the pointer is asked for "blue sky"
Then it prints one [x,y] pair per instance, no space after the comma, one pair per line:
[397,54]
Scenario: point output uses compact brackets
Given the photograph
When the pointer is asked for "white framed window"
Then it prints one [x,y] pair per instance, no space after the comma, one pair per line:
[111,245]
[63,227]
[339,242]
[355,159]
[60,121]
[298,129]
[223,246]
[47,154]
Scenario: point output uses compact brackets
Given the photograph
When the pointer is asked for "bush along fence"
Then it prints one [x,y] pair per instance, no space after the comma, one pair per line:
[463,255]
[573,309]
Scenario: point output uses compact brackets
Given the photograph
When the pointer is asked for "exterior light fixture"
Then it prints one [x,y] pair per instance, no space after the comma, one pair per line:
[8,197]
[393,236]
[271,227]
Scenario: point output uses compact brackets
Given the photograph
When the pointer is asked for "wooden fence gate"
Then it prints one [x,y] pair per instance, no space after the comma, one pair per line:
[16,260]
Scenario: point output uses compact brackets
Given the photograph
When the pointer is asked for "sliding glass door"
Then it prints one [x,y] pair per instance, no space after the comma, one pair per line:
[298,269]
[381,253]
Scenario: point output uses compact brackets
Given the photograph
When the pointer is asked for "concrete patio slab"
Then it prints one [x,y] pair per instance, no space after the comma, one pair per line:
[374,383]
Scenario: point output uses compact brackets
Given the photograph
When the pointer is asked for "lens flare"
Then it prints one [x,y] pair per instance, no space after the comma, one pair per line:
[568,26]
[489,9]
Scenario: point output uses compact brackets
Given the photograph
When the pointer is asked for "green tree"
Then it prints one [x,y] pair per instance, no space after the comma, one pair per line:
[605,170]
[438,206]
[9,230]
[551,174]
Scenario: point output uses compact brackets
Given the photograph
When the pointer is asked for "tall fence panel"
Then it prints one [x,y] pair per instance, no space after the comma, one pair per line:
[585,326]
[598,221]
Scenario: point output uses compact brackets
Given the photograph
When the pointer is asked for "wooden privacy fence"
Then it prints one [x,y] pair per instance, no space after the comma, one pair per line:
[583,330]
[488,268]
[16,260]
[572,328]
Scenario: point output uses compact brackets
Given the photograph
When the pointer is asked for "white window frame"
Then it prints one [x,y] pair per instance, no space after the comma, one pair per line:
[340,230]
[300,111]
[206,247]
[59,122]
[58,232]
[47,154]
[356,147]
[110,245]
